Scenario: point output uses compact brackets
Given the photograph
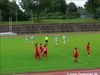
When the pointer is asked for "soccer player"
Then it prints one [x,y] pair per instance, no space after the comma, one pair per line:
[64,39]
[32,38]
[41,48]
[37,54]
[46,40]
[88,48]
[26,38]
[75,54]
[45,51]
[56,40]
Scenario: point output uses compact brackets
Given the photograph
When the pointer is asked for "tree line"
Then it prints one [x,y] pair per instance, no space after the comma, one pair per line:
[45,9]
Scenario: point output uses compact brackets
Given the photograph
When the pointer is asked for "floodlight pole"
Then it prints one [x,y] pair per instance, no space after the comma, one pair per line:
[0,16]
[32,16]
[37,2]
[16,16]
[10,24]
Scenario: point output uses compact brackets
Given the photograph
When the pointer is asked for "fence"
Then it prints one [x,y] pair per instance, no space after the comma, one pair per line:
[51,28]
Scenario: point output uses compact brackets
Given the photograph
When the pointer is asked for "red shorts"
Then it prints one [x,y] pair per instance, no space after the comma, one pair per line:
[75,56]
[37,54]
[45,52]
[88,50]
[41,50]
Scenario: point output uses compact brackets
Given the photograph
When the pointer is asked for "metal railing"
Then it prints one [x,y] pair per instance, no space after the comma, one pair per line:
[52,28]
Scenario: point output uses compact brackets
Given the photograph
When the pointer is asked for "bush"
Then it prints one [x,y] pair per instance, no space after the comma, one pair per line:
[73,15]
[56,15]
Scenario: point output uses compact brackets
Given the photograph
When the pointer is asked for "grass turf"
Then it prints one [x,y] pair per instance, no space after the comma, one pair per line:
[17,56]
[77,20]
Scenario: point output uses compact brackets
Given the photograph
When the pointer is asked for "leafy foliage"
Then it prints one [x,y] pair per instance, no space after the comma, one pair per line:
[92,6]
[72,11]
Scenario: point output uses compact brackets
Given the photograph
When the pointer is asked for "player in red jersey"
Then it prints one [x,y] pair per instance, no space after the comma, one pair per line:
[88,48]
[45,51]
[41,48]
[37,54]
[75,54]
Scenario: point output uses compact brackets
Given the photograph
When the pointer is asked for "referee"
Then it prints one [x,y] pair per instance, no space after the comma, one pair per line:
[46,40]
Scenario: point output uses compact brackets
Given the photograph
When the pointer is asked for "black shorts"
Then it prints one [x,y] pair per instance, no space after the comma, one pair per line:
[46,40]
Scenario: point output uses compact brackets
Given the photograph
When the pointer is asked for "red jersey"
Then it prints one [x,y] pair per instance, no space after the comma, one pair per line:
[88,47]
[36,49]
[75,53]
[45,50]
[41,49]
[37,52]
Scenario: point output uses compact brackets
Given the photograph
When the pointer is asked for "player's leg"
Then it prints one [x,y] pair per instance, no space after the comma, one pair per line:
[64,41]
[56,43]
[47,42]
[45,55]
[32,41]
[36,56]
[88,53]
[41,54]
[76,60]
[26,40]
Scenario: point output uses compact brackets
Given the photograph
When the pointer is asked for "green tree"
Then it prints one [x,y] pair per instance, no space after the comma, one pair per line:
[8,9]
[11,9]
[36,6]
[57,6]
[63,6]
[4,5]
[92,7]
[72,7]
[72,10]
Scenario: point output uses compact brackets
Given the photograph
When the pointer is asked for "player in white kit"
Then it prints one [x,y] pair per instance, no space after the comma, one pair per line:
[26,38]
[56,40]
[64,39]
[32,39]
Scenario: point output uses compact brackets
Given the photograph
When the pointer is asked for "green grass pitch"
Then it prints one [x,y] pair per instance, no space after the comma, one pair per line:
[17,56]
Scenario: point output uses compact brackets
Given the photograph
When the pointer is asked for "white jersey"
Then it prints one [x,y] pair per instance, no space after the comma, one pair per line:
[56,39]
[32,37]
[64,39]
[26,38]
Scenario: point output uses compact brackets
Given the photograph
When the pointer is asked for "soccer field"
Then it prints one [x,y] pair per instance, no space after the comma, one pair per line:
[17,56]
